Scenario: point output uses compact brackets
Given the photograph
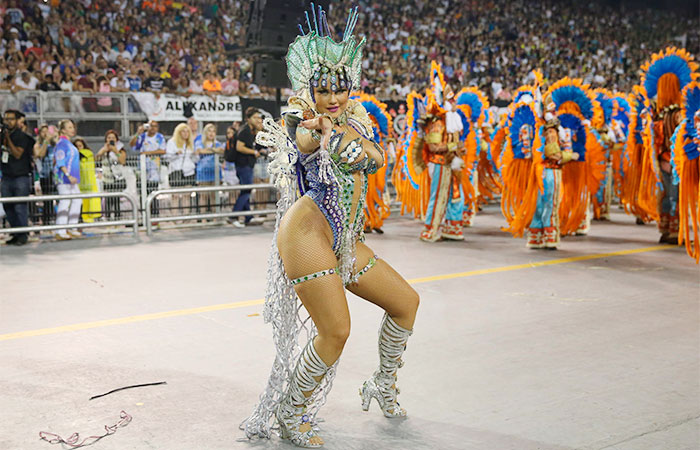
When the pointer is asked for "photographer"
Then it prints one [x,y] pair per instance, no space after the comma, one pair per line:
[16,166]
[112,157]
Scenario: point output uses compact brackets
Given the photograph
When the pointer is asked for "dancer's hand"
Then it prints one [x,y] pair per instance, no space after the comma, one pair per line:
[323,124]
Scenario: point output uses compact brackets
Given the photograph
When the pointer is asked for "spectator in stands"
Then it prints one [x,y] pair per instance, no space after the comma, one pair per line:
[151,143]
[135,81]
[92,208]
[211,85]
[120,83]
[87,84]
[155,84]
[104,103]
[67,81]
[207,152]
[26,82]
[229,85]
[196,84]
[182,87]
[181,162]
[247,152]
[67,173]
[16,168]
[112,158]
[49,84]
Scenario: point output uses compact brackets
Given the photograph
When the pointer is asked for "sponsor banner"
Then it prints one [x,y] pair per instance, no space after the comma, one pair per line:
[167,107]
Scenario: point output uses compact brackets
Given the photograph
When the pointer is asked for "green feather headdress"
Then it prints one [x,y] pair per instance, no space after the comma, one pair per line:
[315,59]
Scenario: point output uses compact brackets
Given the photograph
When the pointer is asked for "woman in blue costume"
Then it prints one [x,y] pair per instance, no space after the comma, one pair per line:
[320,163]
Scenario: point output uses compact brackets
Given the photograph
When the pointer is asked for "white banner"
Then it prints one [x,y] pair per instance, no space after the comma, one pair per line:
[171,108]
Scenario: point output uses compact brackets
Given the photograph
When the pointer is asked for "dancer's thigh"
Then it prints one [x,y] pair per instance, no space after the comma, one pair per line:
[385,287]
[305,249]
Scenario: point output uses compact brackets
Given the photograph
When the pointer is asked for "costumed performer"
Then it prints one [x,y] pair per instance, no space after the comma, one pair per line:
[573,106]
[474,104]
[685,148]
[320,164]
[664,77]
[376,209]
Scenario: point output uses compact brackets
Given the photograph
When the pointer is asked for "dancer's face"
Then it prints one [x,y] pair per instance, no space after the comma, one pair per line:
[331,103]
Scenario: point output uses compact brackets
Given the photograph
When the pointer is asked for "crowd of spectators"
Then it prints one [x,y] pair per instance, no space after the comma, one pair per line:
[56,160]
[190,47]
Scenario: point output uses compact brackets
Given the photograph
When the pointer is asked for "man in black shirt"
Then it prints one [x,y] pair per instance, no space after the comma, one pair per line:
[49,84]
[16,165]
[247,151]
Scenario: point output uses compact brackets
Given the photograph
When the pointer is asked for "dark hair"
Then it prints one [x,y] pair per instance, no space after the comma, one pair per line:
[251,111]
[78,138]
[14,112]
[114,132]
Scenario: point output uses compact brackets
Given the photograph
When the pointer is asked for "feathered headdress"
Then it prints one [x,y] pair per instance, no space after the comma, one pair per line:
[522,124]
[474,104]
[435,95]
[605,100]
[666,74]
[622,110]
[315,59]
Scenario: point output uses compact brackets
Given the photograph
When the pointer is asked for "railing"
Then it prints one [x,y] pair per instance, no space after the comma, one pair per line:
[40,198]
[149,219]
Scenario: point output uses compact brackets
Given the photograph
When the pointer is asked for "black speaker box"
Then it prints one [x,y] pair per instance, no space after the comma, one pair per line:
[271,73]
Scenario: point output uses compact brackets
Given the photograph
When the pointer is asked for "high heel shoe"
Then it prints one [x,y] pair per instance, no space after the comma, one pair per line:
[385,392]
[382,385]
[291,413]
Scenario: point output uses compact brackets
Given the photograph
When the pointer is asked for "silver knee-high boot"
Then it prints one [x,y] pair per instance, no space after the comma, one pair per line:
[291,413]
[382,385]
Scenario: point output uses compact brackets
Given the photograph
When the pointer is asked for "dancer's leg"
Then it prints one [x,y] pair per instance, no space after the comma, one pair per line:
[383,286]
[305,245]
[386,288]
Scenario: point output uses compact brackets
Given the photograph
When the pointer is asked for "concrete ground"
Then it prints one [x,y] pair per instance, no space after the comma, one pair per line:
[595,346]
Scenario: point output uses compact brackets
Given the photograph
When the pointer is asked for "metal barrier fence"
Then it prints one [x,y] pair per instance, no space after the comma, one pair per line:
[134,222]
[148,207]
[110,190]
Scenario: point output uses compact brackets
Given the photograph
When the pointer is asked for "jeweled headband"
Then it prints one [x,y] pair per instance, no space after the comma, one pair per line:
[316,60]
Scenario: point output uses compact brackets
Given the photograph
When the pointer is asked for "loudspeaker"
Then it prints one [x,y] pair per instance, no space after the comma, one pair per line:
[274,23]
[271,73]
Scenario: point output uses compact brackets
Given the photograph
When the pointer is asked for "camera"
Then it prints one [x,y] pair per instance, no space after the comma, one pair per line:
[112,142]
[147,126]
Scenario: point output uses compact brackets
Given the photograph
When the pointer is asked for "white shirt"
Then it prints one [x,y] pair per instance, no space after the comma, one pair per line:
[31,85]
[115,83]
[180,158]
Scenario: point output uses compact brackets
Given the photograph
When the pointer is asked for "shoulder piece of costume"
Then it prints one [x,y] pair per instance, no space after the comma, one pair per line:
[686,168]
[314,60]
[376,111]
[666,74]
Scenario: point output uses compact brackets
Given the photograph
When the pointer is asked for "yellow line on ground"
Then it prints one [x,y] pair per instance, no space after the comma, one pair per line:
[243,304]
[550,262]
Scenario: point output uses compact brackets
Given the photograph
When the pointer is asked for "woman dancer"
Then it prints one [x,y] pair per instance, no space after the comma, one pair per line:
[321,162]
